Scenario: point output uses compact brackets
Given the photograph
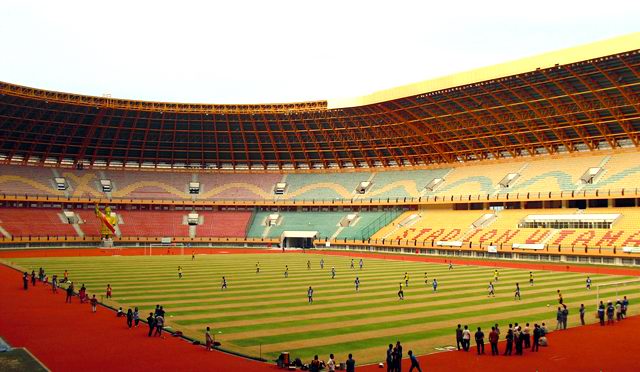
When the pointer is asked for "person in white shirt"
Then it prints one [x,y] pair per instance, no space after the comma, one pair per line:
[466,338]
[331,364]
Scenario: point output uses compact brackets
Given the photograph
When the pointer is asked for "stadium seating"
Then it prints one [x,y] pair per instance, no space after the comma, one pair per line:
[149,185]
[620,172]
[35,222]
[227,224]
[89,223]
[399,184]
[324,185]
[21,180]
[237,186]
[477,179]
[153,223]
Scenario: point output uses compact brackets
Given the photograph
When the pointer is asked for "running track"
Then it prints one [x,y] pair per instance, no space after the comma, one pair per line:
[68,337]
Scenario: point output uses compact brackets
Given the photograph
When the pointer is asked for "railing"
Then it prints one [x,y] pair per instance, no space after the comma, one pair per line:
[425,200]
[386,218]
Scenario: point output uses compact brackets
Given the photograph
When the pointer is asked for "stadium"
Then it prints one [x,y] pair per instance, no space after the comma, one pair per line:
[227,215]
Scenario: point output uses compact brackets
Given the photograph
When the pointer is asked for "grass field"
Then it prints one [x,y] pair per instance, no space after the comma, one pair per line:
[264,314]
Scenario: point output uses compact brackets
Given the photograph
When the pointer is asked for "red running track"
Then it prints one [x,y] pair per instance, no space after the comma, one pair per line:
[68,337]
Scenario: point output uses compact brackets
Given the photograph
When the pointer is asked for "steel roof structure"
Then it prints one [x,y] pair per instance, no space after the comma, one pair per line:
[580,106]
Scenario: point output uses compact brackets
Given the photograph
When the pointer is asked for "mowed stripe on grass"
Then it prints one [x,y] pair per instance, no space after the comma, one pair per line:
[265,313]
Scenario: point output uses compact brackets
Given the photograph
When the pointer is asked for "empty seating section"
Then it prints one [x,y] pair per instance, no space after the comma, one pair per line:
[541,174]
[224,224]
[357,229]
[559,174]
[237,186]
[433,224]
[325,223]
[324,185]
[89,223]
[622,171]
[477,179]
[153,223]
[27,180]
[149,185]
[399,184]
[35,222]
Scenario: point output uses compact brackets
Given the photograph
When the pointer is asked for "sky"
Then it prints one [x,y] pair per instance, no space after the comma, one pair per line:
[272,51]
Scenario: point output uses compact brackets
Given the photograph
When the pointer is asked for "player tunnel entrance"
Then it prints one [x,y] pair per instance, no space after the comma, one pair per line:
[298,239]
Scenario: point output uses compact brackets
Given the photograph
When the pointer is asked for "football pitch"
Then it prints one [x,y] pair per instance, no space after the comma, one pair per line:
[263,314]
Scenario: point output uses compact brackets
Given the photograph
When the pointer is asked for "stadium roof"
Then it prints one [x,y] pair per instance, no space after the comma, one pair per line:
[580,99]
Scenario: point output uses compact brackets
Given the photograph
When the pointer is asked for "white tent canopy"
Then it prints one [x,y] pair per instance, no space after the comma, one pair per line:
[300,239]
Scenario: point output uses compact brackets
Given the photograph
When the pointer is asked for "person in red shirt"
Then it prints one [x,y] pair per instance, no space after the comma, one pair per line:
[493,340]
[108,290]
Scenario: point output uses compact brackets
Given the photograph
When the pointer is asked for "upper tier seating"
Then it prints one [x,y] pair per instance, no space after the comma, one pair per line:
[35,222]
[541,174]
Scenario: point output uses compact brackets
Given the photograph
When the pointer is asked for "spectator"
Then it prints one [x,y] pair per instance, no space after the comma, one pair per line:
[398,357]
[517,335]
[618,310]
[559,318]
[466,338]
[351,364]
[94,303]
[625,305]
[536,338]
[493,340]
[69,293]
[565,316]
[459,337]
[582,311]
[331,364]
[82,293]
[159,324]
[33,278]
[609,313]
[479,336]
[136,316]
[527,336]
[25,281]
[54,284]
[390,365]
[208,339]
[414,362]
[601,313]
[314,366]
[151,321]
[509,338]
[129,318]
[120,313]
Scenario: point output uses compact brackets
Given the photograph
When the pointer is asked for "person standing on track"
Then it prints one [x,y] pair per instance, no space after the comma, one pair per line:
[94,303]
[69,293]
[493,341]
[151,321]
[54,284]
[459,341]
[33,278]
[129,318]
[479,337]
[310,294]
[159,323]
[136,317]
[25,281]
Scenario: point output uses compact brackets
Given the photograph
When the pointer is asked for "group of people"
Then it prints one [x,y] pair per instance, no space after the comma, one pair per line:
[516,336]
[619,309]
[155,321]
[394,359]
[331,365]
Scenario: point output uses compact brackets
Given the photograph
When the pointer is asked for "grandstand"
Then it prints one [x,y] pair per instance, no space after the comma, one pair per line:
[467,158]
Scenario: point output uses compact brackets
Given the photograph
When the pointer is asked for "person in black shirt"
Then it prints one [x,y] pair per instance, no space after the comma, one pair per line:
[25,280]
[536,338]
[390,358]
[129,318]
[351,364]
[151,320]
[479,336]
[509,338]
[69,293]
[399,357]
[459,340]
[33,277]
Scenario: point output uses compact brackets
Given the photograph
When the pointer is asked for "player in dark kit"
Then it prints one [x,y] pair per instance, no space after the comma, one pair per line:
[517,294]
[310,294]
[400,293]
[224,283]
[357,283]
